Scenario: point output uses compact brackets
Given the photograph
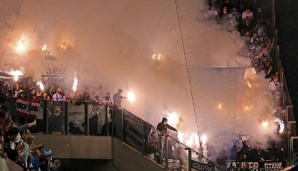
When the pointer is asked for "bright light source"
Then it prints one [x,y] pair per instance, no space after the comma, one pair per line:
[265,124]
[281,125]
[153,56]
[44,47]
[180,136]
[22,45]
[219,106]
[159,57]
[40,84]
[248,83]
[193,140]
[204,138]
[246,108]
[173,118]
[64,45]
[131,97]
[75,83]
[16,74]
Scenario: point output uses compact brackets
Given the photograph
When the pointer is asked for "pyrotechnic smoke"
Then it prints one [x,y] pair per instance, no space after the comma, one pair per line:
[136,45]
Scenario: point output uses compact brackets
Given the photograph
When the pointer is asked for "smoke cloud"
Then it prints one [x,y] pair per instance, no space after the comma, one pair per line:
[137,45]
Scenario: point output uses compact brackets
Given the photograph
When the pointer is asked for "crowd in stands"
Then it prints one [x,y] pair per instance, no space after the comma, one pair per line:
[245,16]
[17,144]
[254,25]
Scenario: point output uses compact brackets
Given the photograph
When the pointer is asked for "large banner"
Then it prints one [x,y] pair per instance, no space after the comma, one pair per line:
[29,108]
[195,165]
[255,166]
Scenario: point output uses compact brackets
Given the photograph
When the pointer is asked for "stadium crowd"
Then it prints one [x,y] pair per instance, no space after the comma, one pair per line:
[254,25]
[245,16]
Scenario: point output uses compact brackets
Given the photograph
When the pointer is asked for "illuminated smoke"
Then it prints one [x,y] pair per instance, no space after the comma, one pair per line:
[22,45]
[16,74]
[75,83]
[131,96]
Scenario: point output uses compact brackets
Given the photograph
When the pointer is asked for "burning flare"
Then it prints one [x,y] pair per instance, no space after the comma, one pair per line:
[173,119]
[204,138]
[44,47]
[22,45]
[40,84]
[248,83]
[75,83]
[281,125]
[16,74]
[219,106]
[265,124]
[131,97]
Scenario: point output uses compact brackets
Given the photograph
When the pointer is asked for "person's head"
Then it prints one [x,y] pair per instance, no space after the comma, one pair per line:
[108,94]
[260,10]
[225,10]
[120,91]
[59,90]
[164,120]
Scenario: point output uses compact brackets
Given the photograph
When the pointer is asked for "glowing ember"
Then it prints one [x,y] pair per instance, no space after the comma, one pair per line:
[265,124]
[153,56]
[131,97]
[64,45]
[246,108]
[16,74]
[22,45]
[204,138]
[75,83]
[173,118]
[159,57]
[219,106]
[44,47]
[40,84]
[248,83]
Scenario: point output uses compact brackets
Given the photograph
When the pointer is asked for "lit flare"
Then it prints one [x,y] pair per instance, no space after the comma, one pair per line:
[75,83]
[16,74]
[22,45]
[131,97]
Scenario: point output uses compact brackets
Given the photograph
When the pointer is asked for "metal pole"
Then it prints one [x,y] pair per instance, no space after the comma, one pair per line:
[122,125]
[86,119]
[166,148]
[45,115]
[189,158]
[66,118]
[107,122]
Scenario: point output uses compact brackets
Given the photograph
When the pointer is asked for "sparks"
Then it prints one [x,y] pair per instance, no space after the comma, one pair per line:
[75,83]
[22,45]
[131,97]
[16,74]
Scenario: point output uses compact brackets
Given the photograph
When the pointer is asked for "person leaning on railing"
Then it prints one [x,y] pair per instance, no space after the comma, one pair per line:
[162,129]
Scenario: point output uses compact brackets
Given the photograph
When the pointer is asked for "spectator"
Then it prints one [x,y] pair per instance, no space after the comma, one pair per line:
[58,96]
[213,13]
[117,98]
[247,15]
[107,100]
[274,84]
[162,129]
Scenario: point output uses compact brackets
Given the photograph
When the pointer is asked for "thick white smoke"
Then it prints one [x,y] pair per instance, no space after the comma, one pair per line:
[136,45]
